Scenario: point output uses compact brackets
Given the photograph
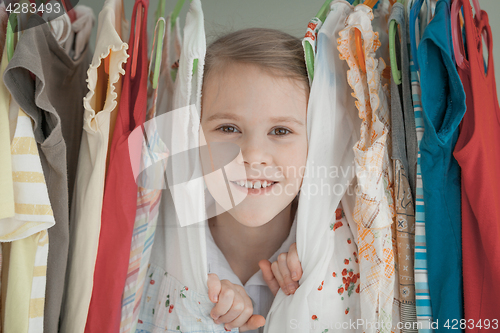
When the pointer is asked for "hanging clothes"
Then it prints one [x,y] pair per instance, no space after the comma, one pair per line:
[18,276]
[153,157]
[170,56]
[120,192]
[4,17]
[404,150]
[443,101]
[101,105]
[176,284]
[328,291]
[33,211]
[26,248]
[478,153]
[153,163]
[54,104]
[7,193]
[24,280]
[422,296]
[374,211]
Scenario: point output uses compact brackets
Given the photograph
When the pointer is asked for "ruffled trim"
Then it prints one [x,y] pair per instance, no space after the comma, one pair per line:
[366,95]
[116,69]
[371,151]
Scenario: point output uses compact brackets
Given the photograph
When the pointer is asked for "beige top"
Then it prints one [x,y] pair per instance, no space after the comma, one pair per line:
[101,103]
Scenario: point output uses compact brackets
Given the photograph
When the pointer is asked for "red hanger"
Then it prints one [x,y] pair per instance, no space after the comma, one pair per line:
[456,30]
[137,35]
[68,7]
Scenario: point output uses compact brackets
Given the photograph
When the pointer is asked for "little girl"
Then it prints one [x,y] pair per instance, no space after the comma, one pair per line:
[255,95]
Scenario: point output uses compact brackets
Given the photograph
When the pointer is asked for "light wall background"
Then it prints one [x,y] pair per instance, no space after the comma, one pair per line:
[292,16]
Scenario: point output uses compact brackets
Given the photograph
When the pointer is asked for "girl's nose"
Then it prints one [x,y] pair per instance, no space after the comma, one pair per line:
[255,151]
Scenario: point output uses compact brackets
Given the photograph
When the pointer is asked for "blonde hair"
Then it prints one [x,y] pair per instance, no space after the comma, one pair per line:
[270,49]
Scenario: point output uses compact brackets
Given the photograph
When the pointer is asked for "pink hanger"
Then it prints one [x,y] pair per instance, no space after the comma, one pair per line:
[456,29]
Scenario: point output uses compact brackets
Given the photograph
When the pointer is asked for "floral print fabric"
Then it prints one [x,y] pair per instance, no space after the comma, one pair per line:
[148,199]
[342,282]
[374,211]
[170,306]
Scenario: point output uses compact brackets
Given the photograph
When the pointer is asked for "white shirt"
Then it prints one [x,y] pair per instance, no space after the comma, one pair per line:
[256,287]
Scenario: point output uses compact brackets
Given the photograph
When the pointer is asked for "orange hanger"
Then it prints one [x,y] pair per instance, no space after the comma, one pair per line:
[359,41]
[137,35]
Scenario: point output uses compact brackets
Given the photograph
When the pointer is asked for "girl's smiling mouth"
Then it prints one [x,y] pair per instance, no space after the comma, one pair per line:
[254,186]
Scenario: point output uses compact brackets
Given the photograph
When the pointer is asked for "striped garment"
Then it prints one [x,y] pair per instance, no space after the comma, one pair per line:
[32,209]
[37,300]
[24,305]
[1,263]
[423,298]
[26,231]
[33,212]
[148,199]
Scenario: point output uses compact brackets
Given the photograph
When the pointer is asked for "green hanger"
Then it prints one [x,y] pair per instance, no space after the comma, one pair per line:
[160,21]
[396,73]
[356,2]
[177,11]
[11,35]
[309,52]
[173,18]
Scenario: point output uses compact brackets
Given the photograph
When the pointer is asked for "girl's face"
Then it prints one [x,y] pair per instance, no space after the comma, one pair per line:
[265,116]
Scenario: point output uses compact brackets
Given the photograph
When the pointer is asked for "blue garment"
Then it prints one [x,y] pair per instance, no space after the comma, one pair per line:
[422,296]
[443,100]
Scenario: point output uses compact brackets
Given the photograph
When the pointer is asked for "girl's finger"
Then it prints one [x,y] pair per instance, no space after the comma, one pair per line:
[267,274]
[214,287]
[225,302]
[236,308]
[293,263]
[290,285]
[278,277]
[245,314]
[253,323]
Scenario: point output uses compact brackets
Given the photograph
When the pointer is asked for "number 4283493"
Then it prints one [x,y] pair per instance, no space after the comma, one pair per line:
[486,324]
[33,8]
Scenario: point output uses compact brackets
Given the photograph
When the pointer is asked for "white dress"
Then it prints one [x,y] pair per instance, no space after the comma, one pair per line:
[327,299]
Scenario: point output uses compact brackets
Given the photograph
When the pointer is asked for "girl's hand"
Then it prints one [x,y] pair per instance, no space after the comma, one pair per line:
[233,306]
[283,273]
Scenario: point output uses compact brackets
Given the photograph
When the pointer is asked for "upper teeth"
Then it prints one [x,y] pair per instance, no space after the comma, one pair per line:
[256,184]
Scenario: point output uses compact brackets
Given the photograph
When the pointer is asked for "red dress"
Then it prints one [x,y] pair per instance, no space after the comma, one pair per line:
[120,195]
[478,153]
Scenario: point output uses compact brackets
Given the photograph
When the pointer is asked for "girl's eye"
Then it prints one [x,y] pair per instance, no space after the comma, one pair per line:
[280,131]
[228,129]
